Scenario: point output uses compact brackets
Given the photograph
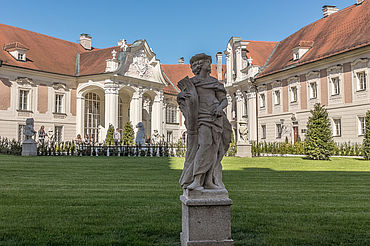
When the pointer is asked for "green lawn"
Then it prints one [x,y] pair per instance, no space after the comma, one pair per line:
[135,201]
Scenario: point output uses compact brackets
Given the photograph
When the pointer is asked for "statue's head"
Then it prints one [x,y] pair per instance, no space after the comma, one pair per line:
[29,121]
[199,62]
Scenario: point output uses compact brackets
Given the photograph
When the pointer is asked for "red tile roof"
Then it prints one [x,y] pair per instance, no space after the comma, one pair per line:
[340,32]
[45,53]
[13,46]
[259,51]
[176,72]
[94,62]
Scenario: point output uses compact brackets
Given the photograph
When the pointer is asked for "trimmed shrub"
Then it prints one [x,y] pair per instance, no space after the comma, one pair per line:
[366,142]
[319,140]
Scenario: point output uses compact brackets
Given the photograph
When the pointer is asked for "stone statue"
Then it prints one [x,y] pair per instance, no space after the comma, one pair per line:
[29,132]
[156,137]
[243,133]
[29,146]
[140,135]
[202,100]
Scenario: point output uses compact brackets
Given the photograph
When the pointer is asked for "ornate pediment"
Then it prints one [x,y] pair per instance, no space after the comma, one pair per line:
[24,81]
[140,66]
[335,69]
[313,75]
[59,86]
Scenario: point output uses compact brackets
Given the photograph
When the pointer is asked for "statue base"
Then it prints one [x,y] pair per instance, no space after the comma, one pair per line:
[206,218]
[29,148]
[243,150]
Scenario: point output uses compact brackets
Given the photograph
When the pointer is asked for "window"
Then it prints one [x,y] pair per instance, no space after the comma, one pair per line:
[293,94]
[361,81]
[23,99]
[337,128]
[171,114]
[295,55]
[58,103]
[313,90]
[263,131]
[58,133]
[92,115]
[20,56]
[21,136]
[335,90]
[279,130]
[361,126]
[263,100]
[277,97]
[169,137]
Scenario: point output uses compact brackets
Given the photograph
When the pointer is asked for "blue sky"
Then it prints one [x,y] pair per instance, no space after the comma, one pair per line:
[172,28]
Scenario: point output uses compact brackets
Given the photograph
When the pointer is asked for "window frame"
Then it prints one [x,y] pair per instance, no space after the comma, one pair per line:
[293,94]
[263,129]
[279,130]
[361,125]
[277,97]
[61,105]
[337,131]
[313,90]
[262,100]
[335,87]
[361,84]
[21,102]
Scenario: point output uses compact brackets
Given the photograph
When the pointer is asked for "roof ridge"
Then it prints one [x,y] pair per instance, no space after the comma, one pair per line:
[261,41]
[41,34]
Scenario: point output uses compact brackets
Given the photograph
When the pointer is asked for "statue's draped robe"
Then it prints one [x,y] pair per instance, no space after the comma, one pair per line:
[208,136]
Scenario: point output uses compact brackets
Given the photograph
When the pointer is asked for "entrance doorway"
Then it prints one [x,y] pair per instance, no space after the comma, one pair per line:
[295,134]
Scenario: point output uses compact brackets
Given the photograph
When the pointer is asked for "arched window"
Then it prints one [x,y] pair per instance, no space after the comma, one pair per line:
[92,115]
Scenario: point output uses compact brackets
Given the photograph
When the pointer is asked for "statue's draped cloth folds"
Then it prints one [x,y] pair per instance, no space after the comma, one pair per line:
[209,134]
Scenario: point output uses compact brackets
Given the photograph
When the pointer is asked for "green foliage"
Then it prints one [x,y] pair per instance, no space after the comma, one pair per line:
[319,140]
[232,148]
[82,200]
[109,140]
[366,142]
[128,134]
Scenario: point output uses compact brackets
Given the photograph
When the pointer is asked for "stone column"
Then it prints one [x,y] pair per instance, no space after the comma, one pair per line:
[157,114]
[136,108]
[111,104]
[229,108]
[239,62]
[243,147]
[252,124]
[229,70]
[80,106]
[239,111]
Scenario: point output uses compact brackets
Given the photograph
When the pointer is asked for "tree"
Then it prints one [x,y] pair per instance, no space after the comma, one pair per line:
[109,140]
[319,140]
[128,134]
[366,142]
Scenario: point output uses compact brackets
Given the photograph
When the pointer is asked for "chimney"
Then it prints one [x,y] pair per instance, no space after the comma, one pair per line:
[181,60]
[328,10]
[85,41]
[359,2]
[219,65]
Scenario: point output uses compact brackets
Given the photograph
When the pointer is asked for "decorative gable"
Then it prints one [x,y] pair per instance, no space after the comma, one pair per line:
[17,50]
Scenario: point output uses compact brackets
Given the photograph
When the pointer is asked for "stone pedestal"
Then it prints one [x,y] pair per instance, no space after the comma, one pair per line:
[244,150]
[29,148]
[206,218]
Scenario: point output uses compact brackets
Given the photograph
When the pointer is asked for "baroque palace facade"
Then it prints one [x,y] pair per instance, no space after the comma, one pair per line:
[74,88]
[272,86]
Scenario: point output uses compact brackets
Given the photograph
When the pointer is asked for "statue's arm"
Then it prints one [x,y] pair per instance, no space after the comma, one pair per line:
[221,96]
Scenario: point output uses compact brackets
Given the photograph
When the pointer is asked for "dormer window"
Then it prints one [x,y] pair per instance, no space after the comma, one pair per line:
[17,50]
[21,56]
[302,48]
